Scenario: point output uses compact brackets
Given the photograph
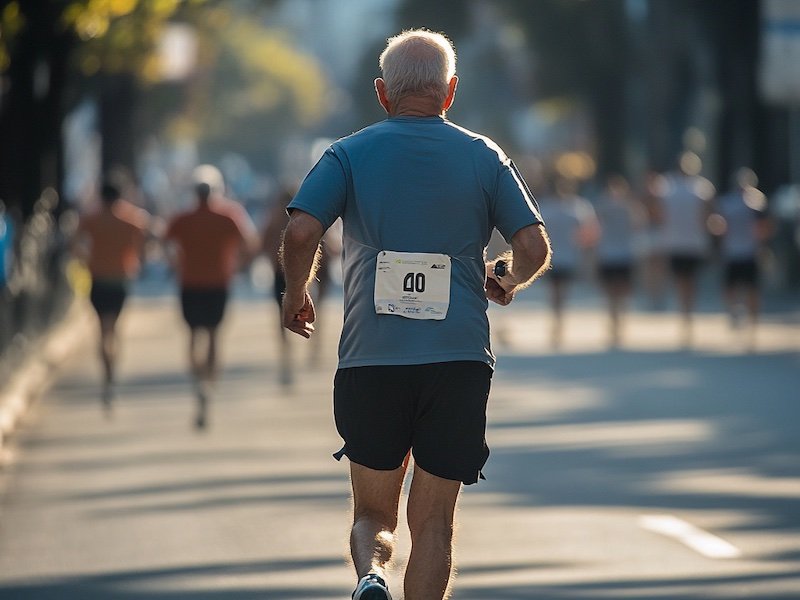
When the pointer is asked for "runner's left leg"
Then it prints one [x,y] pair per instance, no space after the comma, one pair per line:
[376,495]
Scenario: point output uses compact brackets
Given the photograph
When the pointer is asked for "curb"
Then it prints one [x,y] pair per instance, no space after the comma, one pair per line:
[37,371]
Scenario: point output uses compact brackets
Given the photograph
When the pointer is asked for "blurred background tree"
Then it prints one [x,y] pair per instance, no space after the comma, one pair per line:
[626,84]
[581,50]
[202,70]
[148,89]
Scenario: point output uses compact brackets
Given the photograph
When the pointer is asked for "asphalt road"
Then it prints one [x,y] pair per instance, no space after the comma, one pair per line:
[648,471]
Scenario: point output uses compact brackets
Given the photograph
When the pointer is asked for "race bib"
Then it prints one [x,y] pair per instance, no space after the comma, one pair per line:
[415,285]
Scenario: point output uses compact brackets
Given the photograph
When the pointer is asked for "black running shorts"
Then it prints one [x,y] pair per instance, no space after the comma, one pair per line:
[437,410]
[741,272]
[615,273]
[561,274]
[107,296]
[203,307]
[685,265]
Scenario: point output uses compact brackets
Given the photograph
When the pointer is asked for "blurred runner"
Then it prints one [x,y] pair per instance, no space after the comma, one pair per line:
[686,198]
[619,217]
[7,257]
[742,222]
[572,227]
[209,243]
[653,269]
[110,240]
[277,219]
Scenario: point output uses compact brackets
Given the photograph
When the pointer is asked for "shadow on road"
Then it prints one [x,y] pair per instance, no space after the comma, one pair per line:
[657,430]
[144,585]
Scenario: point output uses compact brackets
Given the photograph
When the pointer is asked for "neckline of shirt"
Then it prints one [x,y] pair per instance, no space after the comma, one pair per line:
[412,119]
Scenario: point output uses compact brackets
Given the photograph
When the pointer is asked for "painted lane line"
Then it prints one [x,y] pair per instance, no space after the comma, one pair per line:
[703,542]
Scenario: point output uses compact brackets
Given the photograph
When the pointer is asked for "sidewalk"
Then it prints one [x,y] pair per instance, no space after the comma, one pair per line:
[585,443]
[38,370]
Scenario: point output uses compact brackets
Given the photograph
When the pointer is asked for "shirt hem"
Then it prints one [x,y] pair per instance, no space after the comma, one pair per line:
[416,360]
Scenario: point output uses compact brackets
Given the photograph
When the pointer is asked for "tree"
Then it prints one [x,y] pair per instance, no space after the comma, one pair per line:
[252,89]
[39,40]
[249,84]
[33,55]
[581,51]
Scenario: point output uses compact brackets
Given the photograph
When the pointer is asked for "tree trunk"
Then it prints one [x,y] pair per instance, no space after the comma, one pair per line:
[31,112]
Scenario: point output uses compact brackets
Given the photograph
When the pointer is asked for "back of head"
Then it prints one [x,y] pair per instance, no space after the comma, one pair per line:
[109,193]
[203,191]
[418,63]
[210,175]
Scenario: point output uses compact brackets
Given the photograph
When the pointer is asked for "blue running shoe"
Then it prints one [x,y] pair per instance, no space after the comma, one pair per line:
[372,587]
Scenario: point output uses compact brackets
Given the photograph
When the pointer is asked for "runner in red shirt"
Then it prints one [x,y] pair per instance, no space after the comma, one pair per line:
[110,241]
[210,241]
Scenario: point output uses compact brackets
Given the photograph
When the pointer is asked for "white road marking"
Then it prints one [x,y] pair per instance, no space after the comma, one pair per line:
[703,542]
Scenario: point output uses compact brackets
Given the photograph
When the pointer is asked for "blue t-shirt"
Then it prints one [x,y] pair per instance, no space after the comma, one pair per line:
[416,184]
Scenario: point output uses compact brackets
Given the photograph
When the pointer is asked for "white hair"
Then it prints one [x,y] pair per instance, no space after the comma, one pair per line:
[211,175]
[418,62]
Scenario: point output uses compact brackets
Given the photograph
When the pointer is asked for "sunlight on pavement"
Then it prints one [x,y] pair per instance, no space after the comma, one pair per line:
[604,434]
[738,482]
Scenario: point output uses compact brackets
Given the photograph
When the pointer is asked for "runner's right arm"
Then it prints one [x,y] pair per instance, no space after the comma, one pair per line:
[300,259]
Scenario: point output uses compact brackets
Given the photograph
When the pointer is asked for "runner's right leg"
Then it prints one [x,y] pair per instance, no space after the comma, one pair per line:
[431,510]
[197,368]
[108,355]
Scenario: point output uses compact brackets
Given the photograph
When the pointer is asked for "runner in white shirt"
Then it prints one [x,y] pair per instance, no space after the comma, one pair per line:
[619,218]
[741,220]
[686,198]
[572,226]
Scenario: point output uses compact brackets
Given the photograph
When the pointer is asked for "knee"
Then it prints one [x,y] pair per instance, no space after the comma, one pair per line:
[375,519]
[437,525]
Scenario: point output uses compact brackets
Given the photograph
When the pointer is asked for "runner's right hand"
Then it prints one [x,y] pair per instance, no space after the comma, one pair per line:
[299,314]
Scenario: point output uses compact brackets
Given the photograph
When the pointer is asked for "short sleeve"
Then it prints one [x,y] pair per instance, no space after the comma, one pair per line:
[172,232]
[245,228]
[514,206]
[324,190]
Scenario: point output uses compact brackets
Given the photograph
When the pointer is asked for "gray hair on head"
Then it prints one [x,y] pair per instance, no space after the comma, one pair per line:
[418,62]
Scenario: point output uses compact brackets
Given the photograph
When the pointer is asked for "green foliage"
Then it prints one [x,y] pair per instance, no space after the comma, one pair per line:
[110,35]
[252,88]
[11,22]
[247,79]
[121,35]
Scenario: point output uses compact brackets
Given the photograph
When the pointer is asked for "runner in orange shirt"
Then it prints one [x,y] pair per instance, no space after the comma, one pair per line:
[210,242]
[110,240]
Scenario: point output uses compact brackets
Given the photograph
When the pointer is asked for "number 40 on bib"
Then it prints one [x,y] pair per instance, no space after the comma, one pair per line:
[415,285]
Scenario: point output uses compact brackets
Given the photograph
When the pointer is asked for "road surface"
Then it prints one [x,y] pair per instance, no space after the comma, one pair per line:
[648,471]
